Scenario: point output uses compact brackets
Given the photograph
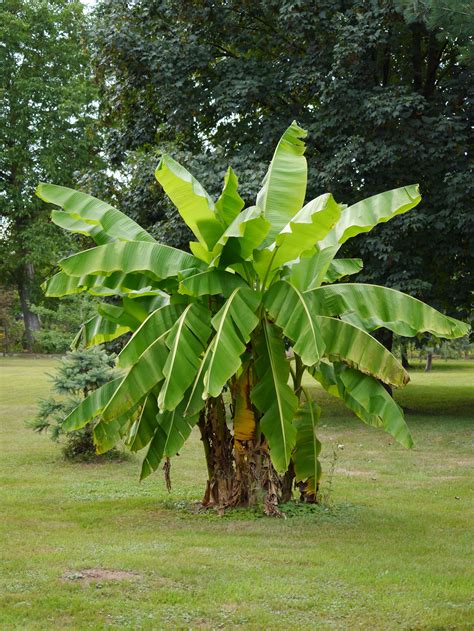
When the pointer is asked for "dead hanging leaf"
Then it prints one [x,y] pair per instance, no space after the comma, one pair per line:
[167,471]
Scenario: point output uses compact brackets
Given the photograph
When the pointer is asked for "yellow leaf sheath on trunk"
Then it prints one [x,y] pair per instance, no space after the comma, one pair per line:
[244,417]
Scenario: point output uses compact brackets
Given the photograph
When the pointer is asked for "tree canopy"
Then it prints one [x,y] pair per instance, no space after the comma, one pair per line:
[47,112]
[382,87]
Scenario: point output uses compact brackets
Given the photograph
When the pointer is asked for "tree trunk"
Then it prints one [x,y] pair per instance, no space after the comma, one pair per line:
[404,353]
[429,361]
[30,319]
[217,442]
[240,471]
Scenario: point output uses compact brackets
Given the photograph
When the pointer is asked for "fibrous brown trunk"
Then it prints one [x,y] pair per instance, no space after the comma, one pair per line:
[240,471]
[217,442]
[429,361]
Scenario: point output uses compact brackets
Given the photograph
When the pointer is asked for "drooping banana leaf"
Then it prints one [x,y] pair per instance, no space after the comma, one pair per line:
[72,223]
[195,401]
[339,268]
[366,397]
[108,435]
[117,284]
[90,407]
[311,224]
[233,324]
[193,203]
[292,312]
[310,271]
[82,211]
[144,427]
[156,325]
[210,283]
[284,186]
[119,315]
[368,213]
[229,204]
[98,330]
[170,435]
[356,348]
[186,342]
[273,396]
[142,377]
[151,259]
[141,306]
[307,447]
[374,306]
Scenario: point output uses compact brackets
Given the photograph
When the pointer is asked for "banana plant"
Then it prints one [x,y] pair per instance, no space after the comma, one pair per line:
[210,331]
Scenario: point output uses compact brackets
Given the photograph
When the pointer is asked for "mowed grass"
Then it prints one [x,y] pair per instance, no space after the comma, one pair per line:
[393,551]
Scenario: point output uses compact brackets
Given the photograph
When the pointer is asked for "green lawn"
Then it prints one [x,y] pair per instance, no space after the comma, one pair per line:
[394,551]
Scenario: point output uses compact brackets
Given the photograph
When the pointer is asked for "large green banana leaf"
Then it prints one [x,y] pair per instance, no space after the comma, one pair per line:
[311,224]
[157,324]
[284,186]
[339,268]
[368,213]
[233,324]
[307,447]
[142,377]
[186,342]
[310,271]
[144,427]
[209,256]
[273,396]
[90,407]
[71,223]
[117,284]
[366,397]
[119,315]
[245,233]
[292,312]
[360,350]
[108,435]
[229,204]
[195,402]
[152,259]
[170,435]
[210,283]
[141,306]
[131,313]
[374,306]
[193,203]
[98,330]
[85,214]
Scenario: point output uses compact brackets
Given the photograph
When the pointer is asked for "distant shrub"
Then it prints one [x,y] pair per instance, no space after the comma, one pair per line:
[78,374]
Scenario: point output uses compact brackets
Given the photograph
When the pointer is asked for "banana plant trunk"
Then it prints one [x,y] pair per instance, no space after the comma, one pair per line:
[240,472]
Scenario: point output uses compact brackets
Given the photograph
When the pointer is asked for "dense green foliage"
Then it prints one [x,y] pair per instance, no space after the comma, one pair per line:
[381,86]
[46,116]
[78,374]
[218,319]
[60,323]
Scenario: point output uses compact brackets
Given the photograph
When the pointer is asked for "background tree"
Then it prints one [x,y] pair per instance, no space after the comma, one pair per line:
[47,112]
[381,86]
